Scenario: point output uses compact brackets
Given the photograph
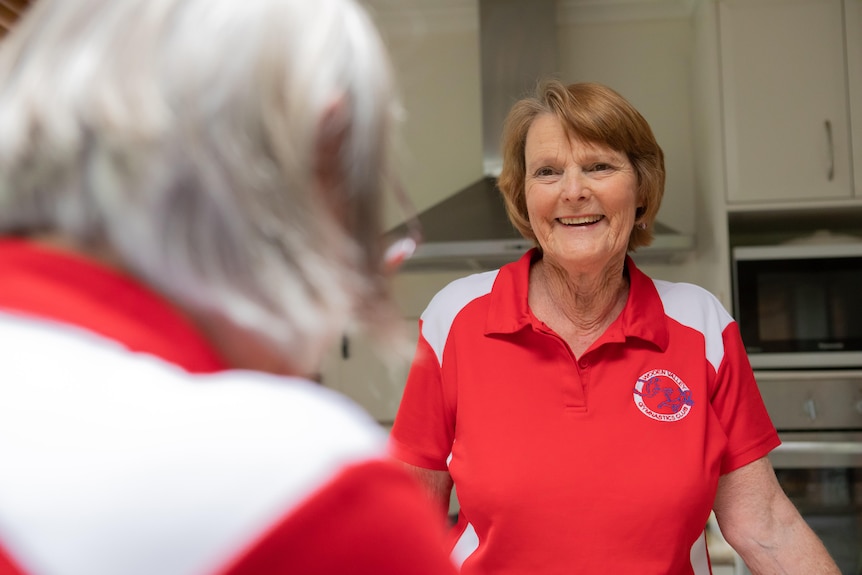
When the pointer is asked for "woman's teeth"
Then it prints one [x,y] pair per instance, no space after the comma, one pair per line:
[580,221]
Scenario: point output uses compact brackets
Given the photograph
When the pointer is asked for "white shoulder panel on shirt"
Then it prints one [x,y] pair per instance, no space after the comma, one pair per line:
[695,307]
[121,463]
[447,304]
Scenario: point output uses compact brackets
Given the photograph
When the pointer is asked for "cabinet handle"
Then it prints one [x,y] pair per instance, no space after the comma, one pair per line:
[830,173]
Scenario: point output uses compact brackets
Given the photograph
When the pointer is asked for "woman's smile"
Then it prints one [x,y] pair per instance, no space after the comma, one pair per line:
[580,221]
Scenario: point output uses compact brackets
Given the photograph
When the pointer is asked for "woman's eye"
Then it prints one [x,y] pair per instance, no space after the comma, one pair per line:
[599,167]
[544,172]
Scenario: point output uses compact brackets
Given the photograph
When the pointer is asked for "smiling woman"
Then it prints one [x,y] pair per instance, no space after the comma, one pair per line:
[589,416]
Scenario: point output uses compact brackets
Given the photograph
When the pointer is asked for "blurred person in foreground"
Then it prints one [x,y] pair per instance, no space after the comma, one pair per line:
[190,198]
[592,417]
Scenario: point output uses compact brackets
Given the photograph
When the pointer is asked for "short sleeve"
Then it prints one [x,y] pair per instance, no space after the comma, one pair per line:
[739,406]
[425,423]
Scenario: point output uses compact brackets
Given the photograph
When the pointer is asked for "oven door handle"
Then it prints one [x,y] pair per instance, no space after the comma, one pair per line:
[819,454]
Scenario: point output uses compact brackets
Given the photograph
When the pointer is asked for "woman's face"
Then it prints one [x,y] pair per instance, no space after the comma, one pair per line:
[581,197]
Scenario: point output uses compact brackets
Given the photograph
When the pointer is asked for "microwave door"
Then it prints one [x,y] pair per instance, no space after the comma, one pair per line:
[798,312]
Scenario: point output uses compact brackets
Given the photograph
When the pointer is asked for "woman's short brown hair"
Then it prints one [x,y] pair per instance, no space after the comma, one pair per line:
[596,114]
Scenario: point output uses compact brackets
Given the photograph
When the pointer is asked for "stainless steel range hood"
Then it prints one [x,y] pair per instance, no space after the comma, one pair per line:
[470,230]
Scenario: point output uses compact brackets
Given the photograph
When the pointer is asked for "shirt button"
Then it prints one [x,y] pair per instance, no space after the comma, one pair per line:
[584,364]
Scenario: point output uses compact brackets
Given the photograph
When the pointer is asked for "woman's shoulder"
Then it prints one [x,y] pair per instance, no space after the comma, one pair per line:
[222,452]
[461,291]
[684,289]
[685,301]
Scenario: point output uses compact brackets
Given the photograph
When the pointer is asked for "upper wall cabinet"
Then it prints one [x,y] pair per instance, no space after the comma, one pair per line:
[786,100]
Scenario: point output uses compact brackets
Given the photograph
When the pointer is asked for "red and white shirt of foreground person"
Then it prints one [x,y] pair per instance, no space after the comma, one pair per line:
[127,448]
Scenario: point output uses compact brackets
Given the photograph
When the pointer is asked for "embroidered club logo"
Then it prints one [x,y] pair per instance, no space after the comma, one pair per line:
[661,395]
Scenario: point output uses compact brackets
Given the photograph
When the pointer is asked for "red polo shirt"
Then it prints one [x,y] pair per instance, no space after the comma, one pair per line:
[604,463]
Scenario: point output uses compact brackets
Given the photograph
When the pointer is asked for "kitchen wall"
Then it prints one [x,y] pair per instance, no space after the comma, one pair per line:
[434,46]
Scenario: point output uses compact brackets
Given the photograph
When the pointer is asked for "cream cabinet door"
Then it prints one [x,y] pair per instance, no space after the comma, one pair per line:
[785,100]
[353,368]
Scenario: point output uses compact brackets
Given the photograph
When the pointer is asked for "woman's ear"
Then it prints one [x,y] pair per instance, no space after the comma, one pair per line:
[331,137]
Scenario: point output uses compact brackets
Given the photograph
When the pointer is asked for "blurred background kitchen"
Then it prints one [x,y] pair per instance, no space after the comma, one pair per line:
[758,107]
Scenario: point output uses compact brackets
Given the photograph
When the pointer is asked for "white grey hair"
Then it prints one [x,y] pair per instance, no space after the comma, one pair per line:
[186,135]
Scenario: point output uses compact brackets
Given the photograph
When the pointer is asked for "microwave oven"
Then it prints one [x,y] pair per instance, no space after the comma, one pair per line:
[799,306]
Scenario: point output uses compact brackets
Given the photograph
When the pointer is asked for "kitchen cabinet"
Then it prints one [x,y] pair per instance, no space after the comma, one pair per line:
[786,99]
[355,369]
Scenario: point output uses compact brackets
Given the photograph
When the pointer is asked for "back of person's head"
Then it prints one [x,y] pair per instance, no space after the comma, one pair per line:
[595,114]
[231,154]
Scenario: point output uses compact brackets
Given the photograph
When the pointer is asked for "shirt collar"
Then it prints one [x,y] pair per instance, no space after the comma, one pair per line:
[642,317]
[39,281]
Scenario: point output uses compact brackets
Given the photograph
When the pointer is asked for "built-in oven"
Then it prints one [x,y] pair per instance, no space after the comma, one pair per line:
[818,415]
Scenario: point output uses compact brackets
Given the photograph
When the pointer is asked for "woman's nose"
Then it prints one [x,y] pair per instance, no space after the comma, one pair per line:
[575,185]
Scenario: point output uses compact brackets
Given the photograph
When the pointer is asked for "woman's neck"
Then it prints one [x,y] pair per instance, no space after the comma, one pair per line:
[579,306]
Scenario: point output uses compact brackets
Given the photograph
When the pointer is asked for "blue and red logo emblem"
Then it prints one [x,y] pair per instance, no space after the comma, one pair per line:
[661,395]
